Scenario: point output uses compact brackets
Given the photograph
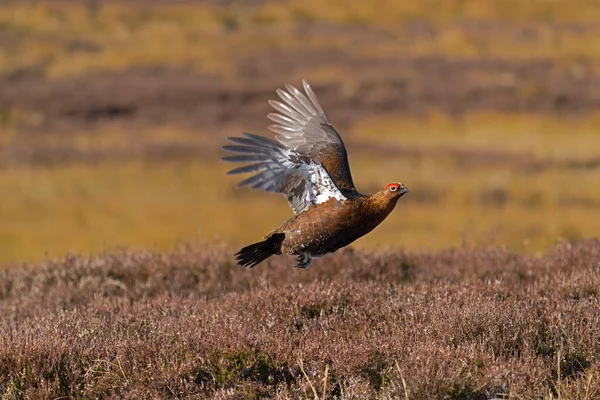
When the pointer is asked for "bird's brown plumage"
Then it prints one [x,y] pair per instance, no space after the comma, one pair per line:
[331,225]
[308,164]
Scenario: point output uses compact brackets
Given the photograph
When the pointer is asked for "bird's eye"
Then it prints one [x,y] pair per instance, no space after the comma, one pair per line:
[393,188]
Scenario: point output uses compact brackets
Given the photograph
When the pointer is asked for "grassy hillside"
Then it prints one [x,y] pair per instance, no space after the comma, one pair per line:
[454,324]
[91,208]
[69,38]
[112,116]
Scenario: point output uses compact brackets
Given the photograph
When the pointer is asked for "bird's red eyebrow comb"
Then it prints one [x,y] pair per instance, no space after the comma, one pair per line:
[391,184]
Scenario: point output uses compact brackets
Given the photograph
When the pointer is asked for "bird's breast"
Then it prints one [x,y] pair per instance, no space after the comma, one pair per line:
[326,227]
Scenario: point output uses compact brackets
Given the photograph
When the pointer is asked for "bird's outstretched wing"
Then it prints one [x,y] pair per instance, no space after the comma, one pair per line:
[302,180]
[302,125]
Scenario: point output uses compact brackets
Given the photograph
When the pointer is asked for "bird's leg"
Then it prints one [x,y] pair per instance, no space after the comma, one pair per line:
[304,260]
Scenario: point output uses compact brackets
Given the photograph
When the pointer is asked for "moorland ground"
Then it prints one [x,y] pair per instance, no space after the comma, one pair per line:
[454,324]
[482,283]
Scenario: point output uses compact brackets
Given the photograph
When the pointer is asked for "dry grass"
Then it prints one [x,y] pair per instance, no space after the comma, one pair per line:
[455,324]
[539,138]
[504,184]
[64,40]
[90,160]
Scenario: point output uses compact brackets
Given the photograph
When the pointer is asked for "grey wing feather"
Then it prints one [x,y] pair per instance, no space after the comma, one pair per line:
[279,169]
[302,125]
[301,122]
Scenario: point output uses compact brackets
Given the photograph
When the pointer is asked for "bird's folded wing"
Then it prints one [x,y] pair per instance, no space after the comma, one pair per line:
[302,125]
[278,169]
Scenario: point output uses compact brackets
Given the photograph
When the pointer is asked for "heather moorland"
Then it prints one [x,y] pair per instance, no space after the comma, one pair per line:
[455,324]
[118,224]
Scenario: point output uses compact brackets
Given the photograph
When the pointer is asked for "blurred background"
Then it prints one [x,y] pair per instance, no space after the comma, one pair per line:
[112,115]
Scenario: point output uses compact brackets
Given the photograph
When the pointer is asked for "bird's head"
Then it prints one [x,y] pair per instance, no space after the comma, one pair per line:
[395,190]
[389,195]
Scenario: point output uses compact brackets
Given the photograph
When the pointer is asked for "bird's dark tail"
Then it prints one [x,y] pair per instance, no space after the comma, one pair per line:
[255,253]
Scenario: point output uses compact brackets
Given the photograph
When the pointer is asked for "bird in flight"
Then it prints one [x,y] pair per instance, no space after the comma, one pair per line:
[308,164]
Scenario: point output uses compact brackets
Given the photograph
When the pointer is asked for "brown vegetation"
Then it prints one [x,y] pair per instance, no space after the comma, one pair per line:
[111,117]
[456,324]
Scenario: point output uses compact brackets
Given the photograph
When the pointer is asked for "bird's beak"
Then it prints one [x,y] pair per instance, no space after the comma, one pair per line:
[404,191]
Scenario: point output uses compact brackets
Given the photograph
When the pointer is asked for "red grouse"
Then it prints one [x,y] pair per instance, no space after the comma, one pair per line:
[309,165]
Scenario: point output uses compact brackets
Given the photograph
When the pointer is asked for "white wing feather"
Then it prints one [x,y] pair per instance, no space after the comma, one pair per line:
[279,169]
